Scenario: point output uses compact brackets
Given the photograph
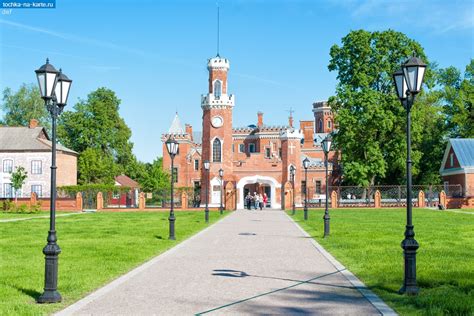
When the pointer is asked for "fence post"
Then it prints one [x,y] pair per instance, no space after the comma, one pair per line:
[421,199]
[33,198]
[100,201]
[442,199]
[377,199]
[334,198]
[141,201]
[184,200]
[79,205]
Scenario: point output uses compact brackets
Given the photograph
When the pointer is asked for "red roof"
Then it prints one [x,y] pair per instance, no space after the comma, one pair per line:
[125,181]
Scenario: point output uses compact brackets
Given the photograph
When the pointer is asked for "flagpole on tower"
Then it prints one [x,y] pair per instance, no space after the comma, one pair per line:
[217,29]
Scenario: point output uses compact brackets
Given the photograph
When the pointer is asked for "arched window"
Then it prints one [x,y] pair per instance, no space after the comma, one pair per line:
[217,88]
[320,126]
[329,124]
[216,150]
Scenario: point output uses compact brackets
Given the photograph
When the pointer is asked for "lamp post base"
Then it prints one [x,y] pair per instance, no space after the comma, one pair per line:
[172,220]
[49,297]
[51,252]
[409,246]
[326,225]
[305,214]
[206,216]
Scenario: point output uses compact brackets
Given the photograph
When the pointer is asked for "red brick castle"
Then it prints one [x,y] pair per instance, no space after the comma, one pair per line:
[255,158]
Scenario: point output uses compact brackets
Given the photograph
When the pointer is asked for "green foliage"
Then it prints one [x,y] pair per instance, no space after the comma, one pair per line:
[25,104]
[371,121]
[71,190]
[367,242]
[457,95]
[155,179]
[96,130]
[18,178]
[11,207]
[96,167]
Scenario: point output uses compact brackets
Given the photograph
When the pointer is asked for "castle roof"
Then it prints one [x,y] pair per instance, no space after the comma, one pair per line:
[176,126]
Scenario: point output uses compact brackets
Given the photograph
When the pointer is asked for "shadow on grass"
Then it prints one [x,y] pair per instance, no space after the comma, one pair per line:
[32,293]
[159,237]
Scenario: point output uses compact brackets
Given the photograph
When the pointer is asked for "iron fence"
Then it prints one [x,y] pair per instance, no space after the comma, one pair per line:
[392,195]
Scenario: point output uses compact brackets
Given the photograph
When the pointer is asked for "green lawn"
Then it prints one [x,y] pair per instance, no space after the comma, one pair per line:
[7,215]
[96,248]
[367,242]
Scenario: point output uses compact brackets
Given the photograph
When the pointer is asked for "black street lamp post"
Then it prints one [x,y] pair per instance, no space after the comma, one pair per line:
[306,166]
[292,175]
[206,211]
[408,83]
[54,88]
[172,147]
[221,176]
[326,143]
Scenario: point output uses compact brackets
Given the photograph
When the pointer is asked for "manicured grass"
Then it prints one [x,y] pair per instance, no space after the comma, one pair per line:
[367,242]
[6,215]
[96,248]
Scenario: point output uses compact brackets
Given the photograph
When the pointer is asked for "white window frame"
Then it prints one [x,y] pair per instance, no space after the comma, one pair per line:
[241,148]
[40,166]
[5,170]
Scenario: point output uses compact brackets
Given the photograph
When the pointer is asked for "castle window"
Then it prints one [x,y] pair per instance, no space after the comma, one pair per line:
[320,126]
[196,164]
[318,187]
[329,124]
[175,175]
[267,152]
[251,148]
[217,88]
[241,148]
[216,150]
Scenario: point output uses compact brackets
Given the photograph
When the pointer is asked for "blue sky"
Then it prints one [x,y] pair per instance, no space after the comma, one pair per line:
[153,53]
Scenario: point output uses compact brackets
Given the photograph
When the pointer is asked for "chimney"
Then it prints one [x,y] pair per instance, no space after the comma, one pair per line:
[260,119]
[33,123]
[189,130]
[290,121]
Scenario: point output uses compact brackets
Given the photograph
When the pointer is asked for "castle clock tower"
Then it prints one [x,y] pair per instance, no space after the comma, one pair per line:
[217,129]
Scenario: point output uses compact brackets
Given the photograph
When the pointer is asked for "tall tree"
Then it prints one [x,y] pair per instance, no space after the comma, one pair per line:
[95,167]
[96,124]
[155,179]
[458,98]
[18,178]
[25,104]
[370,118]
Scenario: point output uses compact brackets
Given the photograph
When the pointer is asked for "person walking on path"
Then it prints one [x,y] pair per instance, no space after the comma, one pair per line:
[248,200]
[260,199]
[255,200]
[265,200]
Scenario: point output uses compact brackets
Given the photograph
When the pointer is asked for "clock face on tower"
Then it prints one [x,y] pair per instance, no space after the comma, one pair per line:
[217,121]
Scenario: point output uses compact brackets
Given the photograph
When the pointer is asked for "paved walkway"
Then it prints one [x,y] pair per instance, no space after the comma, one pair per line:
[249,263]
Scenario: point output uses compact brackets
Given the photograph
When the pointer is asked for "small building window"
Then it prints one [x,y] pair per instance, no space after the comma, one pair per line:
[267,153]
[451,159]
[217,89]
[216,150]
[241,148]
[36,188]
[329,124]
[318,187]
[279,152]
[7,190]
[320,126]
[8,166]
[36,167]
[252,148]
[196,164]
[175,175]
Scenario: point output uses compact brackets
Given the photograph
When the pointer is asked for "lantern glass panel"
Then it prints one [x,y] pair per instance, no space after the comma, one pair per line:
[42,83]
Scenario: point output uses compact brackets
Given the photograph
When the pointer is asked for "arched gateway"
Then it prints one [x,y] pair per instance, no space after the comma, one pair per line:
[262,180]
